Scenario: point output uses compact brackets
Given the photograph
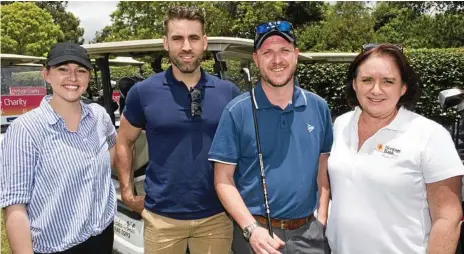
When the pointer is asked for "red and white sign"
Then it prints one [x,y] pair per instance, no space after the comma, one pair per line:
[116,95]
[28,90]
[13,106]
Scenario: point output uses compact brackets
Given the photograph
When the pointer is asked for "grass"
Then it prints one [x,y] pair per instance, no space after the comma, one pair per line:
[5,247]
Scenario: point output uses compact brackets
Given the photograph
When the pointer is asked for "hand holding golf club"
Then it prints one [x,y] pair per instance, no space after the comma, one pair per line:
[263,243]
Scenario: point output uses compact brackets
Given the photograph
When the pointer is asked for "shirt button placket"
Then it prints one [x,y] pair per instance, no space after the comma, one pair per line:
[283,121]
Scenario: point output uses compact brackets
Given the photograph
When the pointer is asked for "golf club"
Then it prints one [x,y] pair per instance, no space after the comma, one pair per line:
[247,78]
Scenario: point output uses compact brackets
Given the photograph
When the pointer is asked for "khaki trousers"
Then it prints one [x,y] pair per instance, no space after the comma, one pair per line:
[170,236]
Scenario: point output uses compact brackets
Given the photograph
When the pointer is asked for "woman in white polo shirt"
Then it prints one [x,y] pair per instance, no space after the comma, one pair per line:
[395,175]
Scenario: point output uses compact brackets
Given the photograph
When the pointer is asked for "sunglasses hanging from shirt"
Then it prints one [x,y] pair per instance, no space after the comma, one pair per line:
[195,102]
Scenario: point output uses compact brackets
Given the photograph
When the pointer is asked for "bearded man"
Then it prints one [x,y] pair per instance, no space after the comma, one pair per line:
[180,109]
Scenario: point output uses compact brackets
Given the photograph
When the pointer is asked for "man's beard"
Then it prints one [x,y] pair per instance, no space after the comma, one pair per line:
[189,67]
[269,81]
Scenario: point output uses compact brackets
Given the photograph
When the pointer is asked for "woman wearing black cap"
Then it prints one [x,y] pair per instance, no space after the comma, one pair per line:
[56,168]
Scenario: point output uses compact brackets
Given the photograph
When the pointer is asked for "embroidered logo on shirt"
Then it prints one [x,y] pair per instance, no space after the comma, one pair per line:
[387,151]
[310,127]
[379,147]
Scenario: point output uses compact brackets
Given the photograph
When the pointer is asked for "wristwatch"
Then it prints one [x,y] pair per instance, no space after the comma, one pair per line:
[249,229]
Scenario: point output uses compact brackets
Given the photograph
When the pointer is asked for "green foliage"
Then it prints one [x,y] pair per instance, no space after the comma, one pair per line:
[326,80]
[69,24]
[144,20]
[410,24]
[437,68]
[348,25]
[27,30]
[345,27]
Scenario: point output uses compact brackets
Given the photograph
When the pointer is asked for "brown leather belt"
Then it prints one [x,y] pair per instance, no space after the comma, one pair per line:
[284,224]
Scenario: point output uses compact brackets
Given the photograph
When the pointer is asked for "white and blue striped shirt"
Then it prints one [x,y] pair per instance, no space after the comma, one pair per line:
[63,177]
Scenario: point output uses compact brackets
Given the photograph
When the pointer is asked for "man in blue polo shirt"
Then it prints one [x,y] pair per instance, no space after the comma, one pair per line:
[295,132]
[180,110]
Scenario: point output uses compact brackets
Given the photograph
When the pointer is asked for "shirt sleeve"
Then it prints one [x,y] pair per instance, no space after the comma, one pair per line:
[19,158]
[440,160]
[110,131]
[225,146]
[235,91]
[327,140]
[133,111]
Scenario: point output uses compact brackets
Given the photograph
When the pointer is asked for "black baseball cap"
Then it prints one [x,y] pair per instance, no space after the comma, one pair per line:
[280,28]
[68,52]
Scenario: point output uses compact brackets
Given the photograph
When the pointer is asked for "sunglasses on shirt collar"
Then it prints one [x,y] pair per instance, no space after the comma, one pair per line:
[283,26]
[195,102]
[370,46]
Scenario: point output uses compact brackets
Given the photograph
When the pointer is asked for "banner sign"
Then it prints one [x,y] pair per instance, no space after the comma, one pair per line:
[28,90]
[13,106]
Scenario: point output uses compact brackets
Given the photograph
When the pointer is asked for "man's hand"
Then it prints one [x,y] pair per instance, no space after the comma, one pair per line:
[136,203]
[263,243]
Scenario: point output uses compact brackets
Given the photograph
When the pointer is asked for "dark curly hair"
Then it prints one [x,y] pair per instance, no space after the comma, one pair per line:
[408,75]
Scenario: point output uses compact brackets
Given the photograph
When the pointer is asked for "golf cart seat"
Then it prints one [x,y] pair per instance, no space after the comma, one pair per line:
[140,159]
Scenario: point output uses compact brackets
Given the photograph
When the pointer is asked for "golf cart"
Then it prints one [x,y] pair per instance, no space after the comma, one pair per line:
[226,54]
[454,97]
[22,86]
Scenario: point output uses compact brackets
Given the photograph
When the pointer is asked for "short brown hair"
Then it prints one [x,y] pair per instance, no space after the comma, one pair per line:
[408,75]
[184,12]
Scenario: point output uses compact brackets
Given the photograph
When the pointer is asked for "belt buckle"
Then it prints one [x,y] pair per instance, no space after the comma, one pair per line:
[282,224]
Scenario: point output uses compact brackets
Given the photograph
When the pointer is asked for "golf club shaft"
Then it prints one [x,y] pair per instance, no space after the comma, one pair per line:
[260,154]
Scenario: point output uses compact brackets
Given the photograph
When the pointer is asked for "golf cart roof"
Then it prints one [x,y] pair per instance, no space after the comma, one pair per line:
[229,47]
[12,59]
[320,57]
[123,61]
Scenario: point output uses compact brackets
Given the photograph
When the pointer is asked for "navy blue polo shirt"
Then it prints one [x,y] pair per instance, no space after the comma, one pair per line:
[291,142]
[179,179]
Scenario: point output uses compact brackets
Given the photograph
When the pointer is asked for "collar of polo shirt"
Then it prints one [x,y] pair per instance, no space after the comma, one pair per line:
[399,123]
[52,117]
[169,79]
[262,102]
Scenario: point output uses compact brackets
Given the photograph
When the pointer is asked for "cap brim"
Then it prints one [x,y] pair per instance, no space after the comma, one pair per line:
[263,37]
[70,58]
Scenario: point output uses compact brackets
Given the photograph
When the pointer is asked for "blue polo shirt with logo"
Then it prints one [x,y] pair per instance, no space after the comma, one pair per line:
[291,142]
[179,179]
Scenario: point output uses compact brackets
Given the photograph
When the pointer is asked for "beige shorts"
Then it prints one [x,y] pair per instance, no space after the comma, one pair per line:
[171,236]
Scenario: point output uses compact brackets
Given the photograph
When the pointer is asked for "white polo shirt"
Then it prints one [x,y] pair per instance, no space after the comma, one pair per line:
[379,200]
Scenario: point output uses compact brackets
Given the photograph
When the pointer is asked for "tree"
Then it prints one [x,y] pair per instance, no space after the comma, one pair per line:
[304,13]
[69,24]
[27,30]
[346,27]
[143,20]
[413,25]
[431,7]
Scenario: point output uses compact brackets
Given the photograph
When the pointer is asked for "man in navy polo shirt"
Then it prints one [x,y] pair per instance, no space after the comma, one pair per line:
[295,131]
[180,110]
